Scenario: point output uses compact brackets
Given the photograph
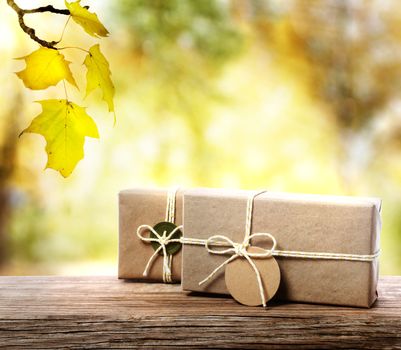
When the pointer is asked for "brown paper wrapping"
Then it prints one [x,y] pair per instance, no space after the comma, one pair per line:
[138,207]
[310,223]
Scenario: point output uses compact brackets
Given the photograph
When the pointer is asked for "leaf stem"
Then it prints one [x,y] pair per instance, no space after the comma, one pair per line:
[65,90]
[72,47]
[65,26]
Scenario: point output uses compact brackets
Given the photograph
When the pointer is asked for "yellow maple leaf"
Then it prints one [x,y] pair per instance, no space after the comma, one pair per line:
[87,20]
[99,75]
[45,67]
[64,125]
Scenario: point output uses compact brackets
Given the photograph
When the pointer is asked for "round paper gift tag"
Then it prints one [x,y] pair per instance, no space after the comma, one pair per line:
[242,283]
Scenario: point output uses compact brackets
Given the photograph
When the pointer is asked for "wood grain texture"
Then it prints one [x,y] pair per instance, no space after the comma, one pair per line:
[103,312]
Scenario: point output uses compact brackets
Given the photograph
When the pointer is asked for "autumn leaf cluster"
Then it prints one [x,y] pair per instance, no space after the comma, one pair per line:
[62,123]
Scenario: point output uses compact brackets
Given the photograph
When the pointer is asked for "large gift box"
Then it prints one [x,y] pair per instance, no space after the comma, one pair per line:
[330,244]
[148,209]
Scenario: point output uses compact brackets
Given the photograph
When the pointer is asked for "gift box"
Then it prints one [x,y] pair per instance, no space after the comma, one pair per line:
[316,225]
[147,208]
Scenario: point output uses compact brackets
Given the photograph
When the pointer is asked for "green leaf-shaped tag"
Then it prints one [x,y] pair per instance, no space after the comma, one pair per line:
[165,228]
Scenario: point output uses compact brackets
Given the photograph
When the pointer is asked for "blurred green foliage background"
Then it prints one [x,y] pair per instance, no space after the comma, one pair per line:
[299,96]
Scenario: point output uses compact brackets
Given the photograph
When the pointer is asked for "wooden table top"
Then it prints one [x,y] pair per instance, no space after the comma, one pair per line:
[104,312]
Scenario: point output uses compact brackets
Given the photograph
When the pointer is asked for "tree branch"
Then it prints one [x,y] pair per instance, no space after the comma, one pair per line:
[30,31]
[48,8]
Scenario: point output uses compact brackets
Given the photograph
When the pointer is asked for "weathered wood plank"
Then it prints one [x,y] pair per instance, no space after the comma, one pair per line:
[103,312]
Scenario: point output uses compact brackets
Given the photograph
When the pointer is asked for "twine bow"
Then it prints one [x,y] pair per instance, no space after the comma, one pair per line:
[239,250]
[163,240]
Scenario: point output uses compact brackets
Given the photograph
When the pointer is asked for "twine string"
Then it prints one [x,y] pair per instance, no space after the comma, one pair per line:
[240,249]
[294,253]
[163,239]
[170,207]
[236,249]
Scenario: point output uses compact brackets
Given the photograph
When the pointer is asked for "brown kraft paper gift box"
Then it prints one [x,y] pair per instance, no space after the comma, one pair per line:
[309,223]
[137,207]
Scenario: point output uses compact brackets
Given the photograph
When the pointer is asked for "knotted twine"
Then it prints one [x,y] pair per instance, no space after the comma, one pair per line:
[240,249]
[236,249]
[163,239]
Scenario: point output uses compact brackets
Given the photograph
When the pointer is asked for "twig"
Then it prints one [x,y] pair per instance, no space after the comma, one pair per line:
[48,8]
[30,31]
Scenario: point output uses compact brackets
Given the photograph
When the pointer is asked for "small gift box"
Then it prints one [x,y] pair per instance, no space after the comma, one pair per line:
[149,233]
[310,248]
